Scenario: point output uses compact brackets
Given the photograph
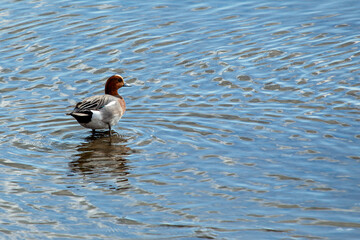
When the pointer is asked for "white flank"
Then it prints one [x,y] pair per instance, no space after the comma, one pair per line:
[96,121]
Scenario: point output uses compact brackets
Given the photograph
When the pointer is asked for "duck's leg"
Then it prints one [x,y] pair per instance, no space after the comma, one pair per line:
[93,131]
[109,130]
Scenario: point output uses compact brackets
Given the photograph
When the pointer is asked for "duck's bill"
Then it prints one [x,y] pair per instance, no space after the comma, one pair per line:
[126,85]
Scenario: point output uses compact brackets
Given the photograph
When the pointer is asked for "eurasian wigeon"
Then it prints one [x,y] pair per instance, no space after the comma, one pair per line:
[102,111]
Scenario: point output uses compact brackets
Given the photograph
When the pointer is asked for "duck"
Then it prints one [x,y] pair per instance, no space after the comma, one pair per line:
[102,111]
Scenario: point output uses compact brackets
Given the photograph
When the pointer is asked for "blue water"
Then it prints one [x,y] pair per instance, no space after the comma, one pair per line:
[241,123]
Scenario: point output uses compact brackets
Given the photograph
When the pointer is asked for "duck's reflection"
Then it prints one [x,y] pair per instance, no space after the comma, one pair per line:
[102,160]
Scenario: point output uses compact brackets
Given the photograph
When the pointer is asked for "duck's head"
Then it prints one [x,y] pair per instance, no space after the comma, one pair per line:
[113,84]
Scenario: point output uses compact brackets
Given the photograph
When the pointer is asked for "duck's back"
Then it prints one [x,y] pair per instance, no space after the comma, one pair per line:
[98,112]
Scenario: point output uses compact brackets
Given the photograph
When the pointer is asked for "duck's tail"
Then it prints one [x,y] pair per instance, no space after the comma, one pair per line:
[81,117]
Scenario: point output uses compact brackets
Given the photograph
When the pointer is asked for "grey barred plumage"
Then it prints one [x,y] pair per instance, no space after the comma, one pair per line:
[94,102]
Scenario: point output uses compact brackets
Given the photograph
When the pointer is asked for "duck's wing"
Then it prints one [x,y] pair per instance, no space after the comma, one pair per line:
[94,103]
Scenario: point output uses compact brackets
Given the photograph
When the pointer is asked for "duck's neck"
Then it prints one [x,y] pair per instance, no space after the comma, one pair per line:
[111,91]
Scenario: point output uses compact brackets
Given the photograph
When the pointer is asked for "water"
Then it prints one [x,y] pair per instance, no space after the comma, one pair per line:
[242,122]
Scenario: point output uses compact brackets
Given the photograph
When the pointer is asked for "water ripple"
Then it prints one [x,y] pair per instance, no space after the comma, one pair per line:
[241,121]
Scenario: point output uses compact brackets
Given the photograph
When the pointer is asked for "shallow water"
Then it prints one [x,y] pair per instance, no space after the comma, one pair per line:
[242,122]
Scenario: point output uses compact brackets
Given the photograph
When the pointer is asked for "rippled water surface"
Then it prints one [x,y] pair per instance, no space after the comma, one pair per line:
[242,121]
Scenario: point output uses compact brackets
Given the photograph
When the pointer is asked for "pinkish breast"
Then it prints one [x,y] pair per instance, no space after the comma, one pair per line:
[122,105]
